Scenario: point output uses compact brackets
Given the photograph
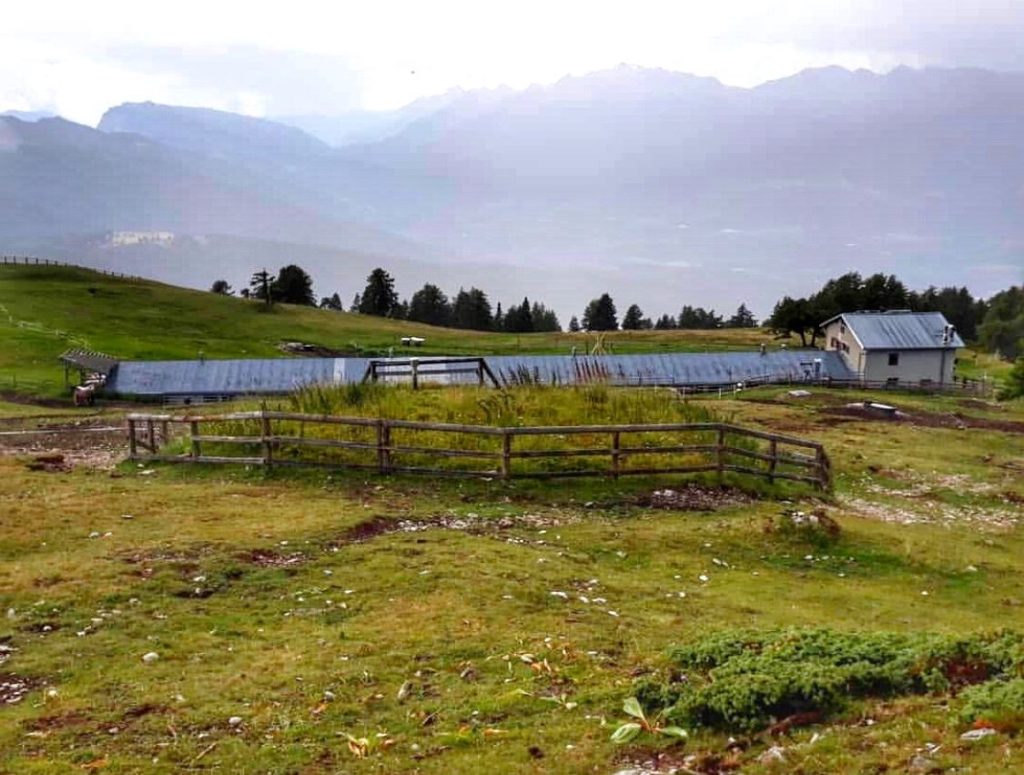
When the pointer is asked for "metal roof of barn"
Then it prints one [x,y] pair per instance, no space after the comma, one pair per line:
[675,369]
[281,375]
[899,330]
[222,377]
[88,360]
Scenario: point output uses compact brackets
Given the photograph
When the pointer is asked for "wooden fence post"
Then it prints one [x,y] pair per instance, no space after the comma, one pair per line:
[165,431]
[383,444]
[721,455]
[773,450]
[268,445]
[506,453]
[197,450]
[824,475]
[151,436]
[414,365]
[132,450]
[615,453]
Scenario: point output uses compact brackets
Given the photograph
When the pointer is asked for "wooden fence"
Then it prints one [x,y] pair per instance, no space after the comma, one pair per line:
[279,438]
[35,261]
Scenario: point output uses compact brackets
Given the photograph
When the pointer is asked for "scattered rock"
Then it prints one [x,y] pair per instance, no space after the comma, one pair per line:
[13,688]
[235,721]
[693,497]
[921,763]
[150,657]
[774,754]
[978,734]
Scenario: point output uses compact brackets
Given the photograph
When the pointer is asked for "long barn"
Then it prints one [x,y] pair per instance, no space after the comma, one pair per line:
[210,380]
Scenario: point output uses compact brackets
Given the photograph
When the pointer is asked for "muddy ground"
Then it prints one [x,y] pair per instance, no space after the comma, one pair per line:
[60,444]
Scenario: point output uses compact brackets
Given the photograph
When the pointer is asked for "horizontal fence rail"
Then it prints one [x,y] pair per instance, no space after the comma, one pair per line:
[272,438]
[36,261]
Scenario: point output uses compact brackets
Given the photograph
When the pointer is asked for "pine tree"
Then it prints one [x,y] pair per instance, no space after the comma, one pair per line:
[294,286]
[261,287]
[430,305]
[379,297]
[472,310]
[600,314]
[574,324]
[332,302]
[633,319]
[742,319]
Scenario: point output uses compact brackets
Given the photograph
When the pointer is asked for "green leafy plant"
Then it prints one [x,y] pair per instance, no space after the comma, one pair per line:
[629,731]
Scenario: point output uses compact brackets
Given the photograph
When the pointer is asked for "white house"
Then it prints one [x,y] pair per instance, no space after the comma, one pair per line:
[896,346]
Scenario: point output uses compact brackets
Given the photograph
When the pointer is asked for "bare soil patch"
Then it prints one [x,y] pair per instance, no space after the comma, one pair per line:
[471,523]
[928,419]
[265,558]
[94,442]
[13,688]
[694,497]
[59,721]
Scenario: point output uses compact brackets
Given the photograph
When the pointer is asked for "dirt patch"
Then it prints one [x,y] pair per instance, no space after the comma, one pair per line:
[932,513]
[52,462]
[138,711]
[269,559]
[650,761]
[146,556]
[955,420]
[693,497]
[13,688]
[314,350]
[72,718]
[471,523]
[93,442]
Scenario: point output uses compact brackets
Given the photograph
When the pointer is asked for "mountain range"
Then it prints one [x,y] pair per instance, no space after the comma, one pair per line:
[661,187]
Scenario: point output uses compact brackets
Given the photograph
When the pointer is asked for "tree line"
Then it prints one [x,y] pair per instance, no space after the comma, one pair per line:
[471,309]
[997,324]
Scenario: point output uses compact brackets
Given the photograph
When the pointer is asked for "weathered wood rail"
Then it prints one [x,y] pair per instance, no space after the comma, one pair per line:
[278,438]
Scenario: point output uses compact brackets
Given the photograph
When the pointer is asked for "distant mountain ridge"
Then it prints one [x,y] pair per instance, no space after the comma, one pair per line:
[666,186]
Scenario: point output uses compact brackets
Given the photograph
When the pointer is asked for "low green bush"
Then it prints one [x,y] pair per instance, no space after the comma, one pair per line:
[746,680]
[998,704]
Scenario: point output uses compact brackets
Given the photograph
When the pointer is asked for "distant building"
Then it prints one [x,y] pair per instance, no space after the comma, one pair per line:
[896,346]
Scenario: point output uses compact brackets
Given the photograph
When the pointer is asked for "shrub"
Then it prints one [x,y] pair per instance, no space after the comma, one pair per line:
[745,680]
[999,704]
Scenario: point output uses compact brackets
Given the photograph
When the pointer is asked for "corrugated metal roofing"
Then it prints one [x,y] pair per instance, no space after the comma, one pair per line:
[222,377]
[280,375]
[715,368]
[900,330]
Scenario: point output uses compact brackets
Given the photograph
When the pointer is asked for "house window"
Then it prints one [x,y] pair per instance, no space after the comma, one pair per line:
[842,328]
[894,359]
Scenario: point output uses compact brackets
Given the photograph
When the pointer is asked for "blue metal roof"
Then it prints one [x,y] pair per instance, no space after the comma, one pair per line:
[280,375]
[900,330]
[222,377]
[678,369]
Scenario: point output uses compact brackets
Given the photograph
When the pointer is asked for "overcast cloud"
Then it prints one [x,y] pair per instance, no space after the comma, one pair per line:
[312,57]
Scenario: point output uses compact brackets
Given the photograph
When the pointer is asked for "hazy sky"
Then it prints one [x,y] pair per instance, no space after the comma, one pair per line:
[78,58]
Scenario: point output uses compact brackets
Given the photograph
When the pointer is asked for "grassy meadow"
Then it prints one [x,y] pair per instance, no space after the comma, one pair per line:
[343,622]
[172,618]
